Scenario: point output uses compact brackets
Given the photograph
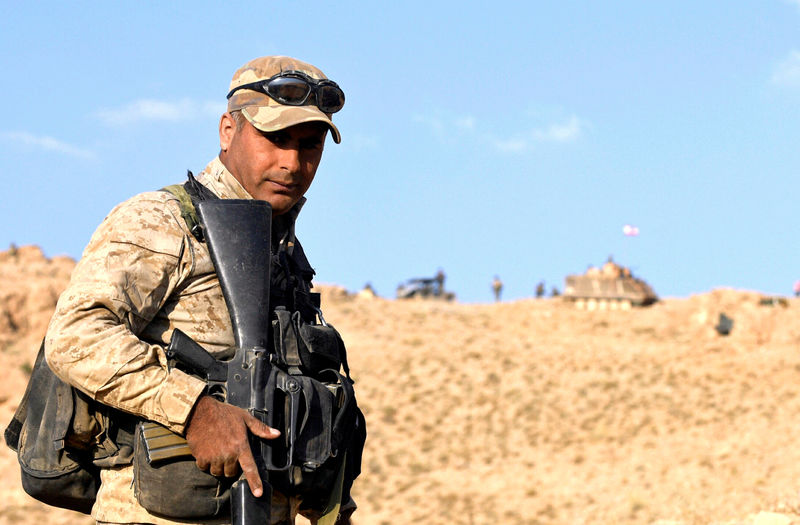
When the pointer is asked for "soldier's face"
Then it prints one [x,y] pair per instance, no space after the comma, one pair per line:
[276,167]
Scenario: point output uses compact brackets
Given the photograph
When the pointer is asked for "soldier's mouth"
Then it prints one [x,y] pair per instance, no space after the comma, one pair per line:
[281,186]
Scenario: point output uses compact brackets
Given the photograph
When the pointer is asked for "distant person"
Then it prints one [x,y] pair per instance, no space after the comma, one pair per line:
[497,287]
[797,288]
[439,282]
[554,292]
[540,289]
[367,292]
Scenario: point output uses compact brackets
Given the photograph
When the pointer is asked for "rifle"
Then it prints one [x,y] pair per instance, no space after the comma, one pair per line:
[238,236]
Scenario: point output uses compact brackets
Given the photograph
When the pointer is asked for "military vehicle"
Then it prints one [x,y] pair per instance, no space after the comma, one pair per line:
[423,288]
[610,287]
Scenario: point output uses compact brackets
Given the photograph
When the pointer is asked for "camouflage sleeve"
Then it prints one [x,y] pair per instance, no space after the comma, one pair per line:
[134,261]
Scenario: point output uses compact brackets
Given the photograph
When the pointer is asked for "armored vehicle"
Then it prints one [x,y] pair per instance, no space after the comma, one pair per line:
[609,287]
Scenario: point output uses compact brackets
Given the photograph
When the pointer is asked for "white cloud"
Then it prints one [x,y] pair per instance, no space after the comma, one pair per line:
[441,128]
[214,108]
[447,130]
[787,73]
[160,110]
[511,145]
[360,142]
[467,123]
[564,132]
[435,124]
[46,143]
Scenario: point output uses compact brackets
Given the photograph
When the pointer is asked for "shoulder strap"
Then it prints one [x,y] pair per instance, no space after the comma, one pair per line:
[187,194]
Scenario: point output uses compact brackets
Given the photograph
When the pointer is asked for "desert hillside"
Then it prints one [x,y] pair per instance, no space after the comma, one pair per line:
[527,412]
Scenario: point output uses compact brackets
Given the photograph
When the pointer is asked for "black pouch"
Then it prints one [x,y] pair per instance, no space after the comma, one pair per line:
[62,437]
[315,408]
[314,417]
[174,486]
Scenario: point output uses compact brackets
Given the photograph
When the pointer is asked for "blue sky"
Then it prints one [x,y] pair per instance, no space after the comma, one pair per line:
[508,138]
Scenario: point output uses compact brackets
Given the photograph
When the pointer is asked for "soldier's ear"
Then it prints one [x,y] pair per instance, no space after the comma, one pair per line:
[227,129]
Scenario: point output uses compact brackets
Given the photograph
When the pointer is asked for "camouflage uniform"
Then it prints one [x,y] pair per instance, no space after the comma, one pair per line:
[142,275]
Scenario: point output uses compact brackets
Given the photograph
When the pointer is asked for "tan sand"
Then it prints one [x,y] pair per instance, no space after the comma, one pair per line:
[527,412]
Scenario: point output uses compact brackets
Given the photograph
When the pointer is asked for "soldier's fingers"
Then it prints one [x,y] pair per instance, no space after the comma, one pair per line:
[250,471]
[202,464]
[217,469]
[261,429]
[231,468]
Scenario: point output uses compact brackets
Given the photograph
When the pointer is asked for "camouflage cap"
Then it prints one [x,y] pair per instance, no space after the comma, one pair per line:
[265,113]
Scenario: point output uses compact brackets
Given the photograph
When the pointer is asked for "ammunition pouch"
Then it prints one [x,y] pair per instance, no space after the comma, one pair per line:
[305,348]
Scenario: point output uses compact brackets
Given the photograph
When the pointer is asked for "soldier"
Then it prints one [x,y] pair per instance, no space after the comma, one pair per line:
[144,274]
[439,291]
[497,288]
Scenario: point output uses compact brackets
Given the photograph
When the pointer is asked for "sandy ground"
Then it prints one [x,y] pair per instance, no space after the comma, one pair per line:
[528,412]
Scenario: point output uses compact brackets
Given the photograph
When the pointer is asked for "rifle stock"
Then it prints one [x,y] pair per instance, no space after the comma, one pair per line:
[238,234]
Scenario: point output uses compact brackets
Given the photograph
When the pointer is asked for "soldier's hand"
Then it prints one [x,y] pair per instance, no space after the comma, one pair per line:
[217,437]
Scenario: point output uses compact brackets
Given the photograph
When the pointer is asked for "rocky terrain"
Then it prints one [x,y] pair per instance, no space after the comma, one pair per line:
[527,412]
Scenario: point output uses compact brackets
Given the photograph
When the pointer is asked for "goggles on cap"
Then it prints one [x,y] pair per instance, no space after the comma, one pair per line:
[294,88]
